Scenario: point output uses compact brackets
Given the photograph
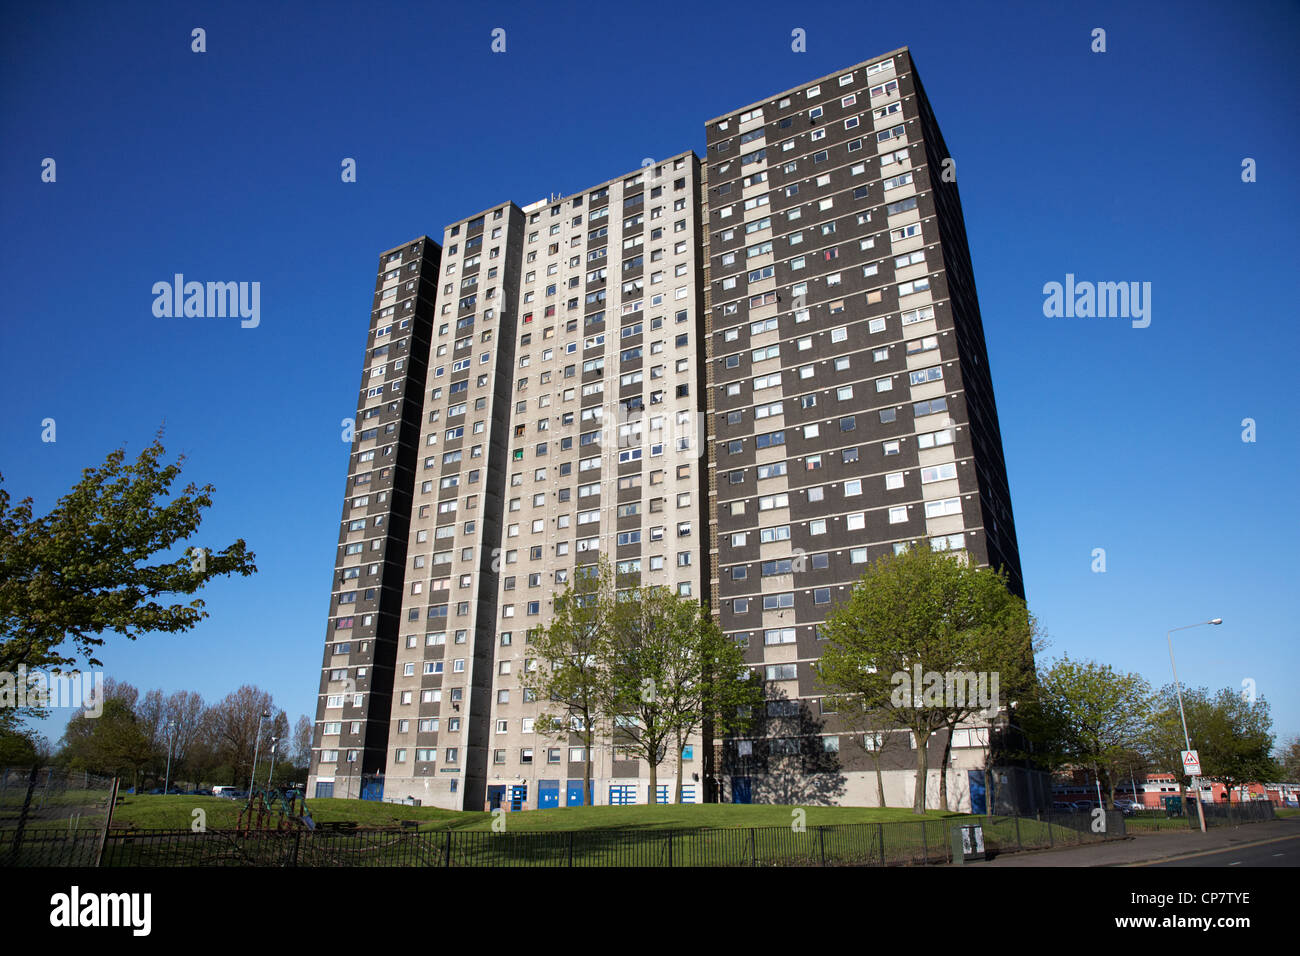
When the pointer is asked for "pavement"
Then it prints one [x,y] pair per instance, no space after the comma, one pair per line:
[1248,844]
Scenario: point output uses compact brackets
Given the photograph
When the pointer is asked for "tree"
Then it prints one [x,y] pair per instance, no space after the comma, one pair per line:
[111,744]
[301,749]
[1289,760]
[667,666]
[1232,736]
[17,746]
[184,712]
[1088,714]
[151,718]
[80,570]
[877,742]
[926,614]
[236,723]
[718,692]
[567,676]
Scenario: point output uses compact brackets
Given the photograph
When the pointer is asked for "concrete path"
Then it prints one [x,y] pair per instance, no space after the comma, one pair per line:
[1167,846]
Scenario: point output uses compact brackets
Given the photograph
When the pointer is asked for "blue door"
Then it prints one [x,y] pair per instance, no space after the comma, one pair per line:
[573,795]
[324,790]
[741,790]
[518,794]
[548,794]
[495,796]
[372,788]
[978,801]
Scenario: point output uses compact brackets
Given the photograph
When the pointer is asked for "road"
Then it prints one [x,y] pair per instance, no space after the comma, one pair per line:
[1281,852]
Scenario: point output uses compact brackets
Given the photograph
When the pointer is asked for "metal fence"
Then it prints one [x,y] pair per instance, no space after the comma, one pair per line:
[44,814]
[1216,815]
[863,844]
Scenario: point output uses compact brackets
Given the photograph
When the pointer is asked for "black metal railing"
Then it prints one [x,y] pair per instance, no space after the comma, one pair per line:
[863,844]
[906,843]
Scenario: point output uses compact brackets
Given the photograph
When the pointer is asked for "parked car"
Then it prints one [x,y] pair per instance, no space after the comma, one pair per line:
[1128,807]
[1061,806]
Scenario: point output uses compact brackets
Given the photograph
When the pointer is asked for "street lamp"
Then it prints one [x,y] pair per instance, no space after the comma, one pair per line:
[1196,780]
[257,741]
[270,773]
[171,726]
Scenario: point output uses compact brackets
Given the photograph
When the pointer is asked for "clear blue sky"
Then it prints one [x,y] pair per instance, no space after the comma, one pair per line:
[225,166]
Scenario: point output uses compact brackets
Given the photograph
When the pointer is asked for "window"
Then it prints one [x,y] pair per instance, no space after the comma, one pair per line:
[938,473]
[934,439]
[945,506]
[931,407]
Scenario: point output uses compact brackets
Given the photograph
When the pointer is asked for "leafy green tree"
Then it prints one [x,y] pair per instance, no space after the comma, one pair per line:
[668,667]
[17,745]
[878,741]
[1289,760]
[1087,714]
[928,611]
[112,743]
[721,697]
[1232,736]
[567,675]
[71,575]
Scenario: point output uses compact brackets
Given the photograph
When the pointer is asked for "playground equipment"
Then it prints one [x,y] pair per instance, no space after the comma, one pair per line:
[274,809]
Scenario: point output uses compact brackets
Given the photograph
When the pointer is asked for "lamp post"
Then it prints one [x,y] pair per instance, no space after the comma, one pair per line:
[270,773]
[1196,780]
[171,735]
[252,777]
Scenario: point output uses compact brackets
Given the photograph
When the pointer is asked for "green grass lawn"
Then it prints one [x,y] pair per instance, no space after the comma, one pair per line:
[705,835]
[176,812]
[1286,812]
[1139,823]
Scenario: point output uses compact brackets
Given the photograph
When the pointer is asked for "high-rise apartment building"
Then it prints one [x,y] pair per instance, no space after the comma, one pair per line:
[852,409]
[743,379]
[356,679]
